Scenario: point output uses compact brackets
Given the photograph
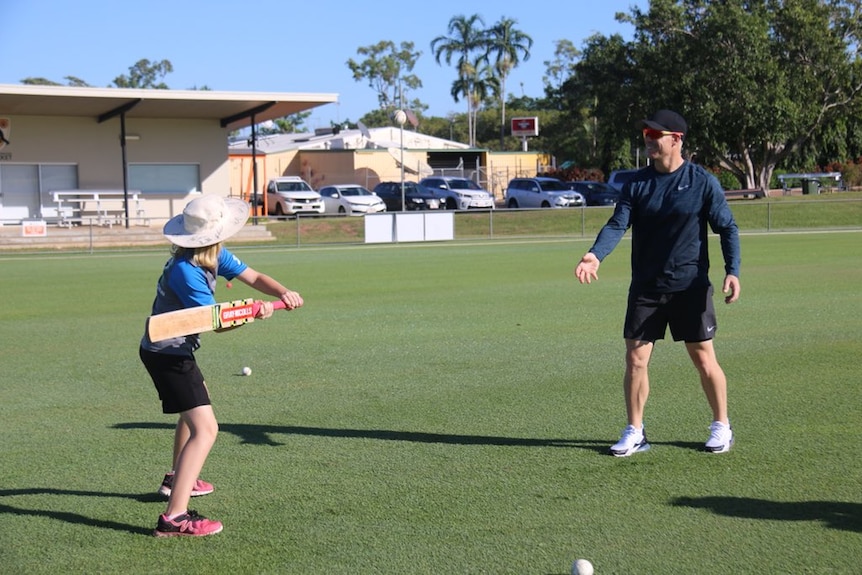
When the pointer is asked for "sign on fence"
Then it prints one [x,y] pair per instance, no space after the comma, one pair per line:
[34,229]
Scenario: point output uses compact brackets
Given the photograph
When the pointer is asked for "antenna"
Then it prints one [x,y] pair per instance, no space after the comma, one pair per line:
[411,117]
[363,130]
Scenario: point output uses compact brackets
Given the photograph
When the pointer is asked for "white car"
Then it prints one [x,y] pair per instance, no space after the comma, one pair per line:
[459,193]
[291,195]
[351,199]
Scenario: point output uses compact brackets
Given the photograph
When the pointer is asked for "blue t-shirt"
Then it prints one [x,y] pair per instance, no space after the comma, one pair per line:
[668,215]
[183,285]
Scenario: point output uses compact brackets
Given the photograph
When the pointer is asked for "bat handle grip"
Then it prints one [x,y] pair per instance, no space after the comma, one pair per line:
[276,305]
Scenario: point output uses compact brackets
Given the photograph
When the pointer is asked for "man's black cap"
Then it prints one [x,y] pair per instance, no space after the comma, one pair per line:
[666,121]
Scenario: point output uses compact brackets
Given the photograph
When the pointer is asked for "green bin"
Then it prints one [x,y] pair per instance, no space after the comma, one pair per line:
[810,187]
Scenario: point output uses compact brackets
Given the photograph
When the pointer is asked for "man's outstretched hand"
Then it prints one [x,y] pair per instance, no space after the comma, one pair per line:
[588,268]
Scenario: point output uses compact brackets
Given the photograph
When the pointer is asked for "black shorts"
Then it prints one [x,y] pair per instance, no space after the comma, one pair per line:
[690,315]
[178,380]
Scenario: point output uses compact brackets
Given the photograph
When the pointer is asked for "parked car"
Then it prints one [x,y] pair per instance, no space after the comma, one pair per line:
[459,193]
[416,196]
[542,192]
[351,199]
[596,193]
[291,195]
[618,178]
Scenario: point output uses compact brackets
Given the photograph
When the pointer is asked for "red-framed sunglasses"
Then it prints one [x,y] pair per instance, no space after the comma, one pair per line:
[654,134]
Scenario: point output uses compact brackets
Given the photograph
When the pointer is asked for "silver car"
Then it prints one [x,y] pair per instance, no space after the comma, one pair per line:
[542,192]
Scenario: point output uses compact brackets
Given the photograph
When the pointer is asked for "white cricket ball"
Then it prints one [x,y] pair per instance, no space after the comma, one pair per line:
[400,117]
[246,371]
[582,567]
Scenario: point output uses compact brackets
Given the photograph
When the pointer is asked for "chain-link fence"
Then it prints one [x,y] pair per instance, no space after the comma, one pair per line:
[751,216]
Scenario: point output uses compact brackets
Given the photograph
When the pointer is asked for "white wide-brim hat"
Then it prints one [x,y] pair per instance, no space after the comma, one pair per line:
[206,221]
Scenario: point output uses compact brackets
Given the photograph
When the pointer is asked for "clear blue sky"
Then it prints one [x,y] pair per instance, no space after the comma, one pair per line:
[278,45]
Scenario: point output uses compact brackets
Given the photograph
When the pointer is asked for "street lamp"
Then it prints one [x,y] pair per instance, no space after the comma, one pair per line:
[401,117]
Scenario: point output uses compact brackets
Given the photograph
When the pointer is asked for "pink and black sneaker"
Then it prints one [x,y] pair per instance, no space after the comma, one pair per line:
[201,487]
[189,524]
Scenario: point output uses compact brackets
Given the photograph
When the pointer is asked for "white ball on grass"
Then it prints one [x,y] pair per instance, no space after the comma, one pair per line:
[246,371]
[582,567]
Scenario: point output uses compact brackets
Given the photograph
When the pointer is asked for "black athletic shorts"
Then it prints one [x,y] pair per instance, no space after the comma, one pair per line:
[690,315]
[178,380]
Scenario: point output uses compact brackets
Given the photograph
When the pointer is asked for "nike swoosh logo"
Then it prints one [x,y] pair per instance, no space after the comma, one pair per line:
[710,329]
[681,188]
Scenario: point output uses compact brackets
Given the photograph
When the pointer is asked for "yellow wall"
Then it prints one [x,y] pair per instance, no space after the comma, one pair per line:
[94,148]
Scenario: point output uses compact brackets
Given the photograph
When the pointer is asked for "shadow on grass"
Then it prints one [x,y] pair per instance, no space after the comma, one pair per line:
[75,518]
[837,515]
[261,435]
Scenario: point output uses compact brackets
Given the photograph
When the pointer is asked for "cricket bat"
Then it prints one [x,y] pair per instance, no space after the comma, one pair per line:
[204,318]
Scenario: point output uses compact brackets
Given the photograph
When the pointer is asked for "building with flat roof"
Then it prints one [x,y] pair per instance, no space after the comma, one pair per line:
[131,155]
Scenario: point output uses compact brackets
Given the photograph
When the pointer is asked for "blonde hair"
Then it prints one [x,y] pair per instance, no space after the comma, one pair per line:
[203,257]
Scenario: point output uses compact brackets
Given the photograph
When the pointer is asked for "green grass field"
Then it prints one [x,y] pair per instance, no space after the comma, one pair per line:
[437,409]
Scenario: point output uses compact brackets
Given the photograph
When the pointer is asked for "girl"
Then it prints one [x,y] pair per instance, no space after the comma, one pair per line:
[189,279]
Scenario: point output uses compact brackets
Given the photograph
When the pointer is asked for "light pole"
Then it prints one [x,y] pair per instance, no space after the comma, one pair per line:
[401,117]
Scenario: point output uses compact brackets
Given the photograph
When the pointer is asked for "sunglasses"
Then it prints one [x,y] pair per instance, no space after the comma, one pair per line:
[653,134]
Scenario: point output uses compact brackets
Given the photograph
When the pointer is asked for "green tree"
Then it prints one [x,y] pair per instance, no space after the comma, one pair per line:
[285,125]
[595,125]
[466,40]
[145,74]
[70,81]
[562,67]
[477,84]
[756,80]
[387,71]
[506,46]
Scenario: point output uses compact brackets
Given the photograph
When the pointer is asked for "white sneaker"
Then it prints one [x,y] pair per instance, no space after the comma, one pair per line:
[632,441]
[720,438]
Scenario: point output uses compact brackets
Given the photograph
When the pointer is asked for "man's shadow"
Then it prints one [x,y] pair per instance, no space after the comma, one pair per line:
[835,514]
[255,434]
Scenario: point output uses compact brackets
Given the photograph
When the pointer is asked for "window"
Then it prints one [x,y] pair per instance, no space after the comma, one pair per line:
[26,188]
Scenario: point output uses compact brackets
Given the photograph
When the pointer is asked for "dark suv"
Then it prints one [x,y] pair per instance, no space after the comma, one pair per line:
[596,193]
[416,196]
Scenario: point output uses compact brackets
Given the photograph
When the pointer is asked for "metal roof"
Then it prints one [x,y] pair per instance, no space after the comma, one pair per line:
[232,109]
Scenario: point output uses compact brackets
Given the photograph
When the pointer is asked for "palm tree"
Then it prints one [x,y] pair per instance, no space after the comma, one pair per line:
[466,37]
[476,83]
[508,46]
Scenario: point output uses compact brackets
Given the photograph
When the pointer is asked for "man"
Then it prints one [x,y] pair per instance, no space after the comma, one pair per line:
[668,206]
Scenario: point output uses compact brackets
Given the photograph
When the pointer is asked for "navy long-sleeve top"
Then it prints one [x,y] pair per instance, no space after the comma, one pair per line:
[668,215]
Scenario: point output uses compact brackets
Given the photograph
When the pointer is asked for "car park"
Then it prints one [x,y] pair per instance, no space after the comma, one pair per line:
[350,199]
[416,196]
[291,195]
[596,193]
[458,193]
[618,178]
[541,192]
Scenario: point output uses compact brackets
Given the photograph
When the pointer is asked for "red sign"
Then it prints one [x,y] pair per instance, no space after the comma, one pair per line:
[34,228]
[523,127]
